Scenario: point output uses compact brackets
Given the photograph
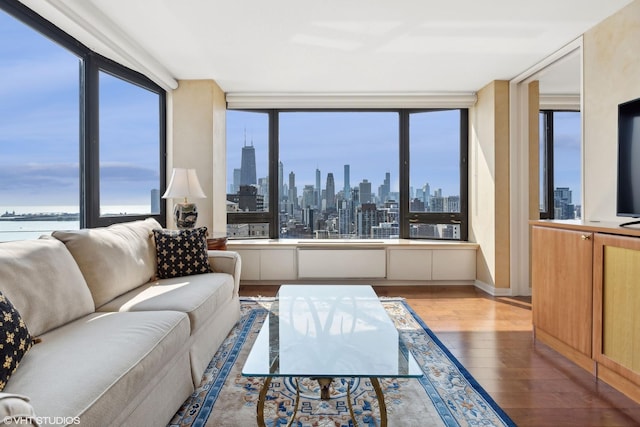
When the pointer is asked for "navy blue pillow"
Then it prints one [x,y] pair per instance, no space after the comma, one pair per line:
[15,340]
[181,252]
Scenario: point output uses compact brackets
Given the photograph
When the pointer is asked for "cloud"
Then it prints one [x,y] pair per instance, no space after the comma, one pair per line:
[59,183]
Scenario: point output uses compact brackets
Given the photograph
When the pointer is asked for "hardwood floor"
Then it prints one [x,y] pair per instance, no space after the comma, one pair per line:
[492,338]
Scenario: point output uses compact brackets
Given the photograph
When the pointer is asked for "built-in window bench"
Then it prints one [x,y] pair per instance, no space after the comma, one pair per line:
[381,262]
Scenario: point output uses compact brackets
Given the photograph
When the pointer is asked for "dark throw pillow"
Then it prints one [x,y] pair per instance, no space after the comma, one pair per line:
[181,252]
[15,339]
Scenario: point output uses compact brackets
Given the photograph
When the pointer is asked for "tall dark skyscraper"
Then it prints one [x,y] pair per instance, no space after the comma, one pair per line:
[293,191]
[331,192]
[384,189]
[347,184]
[248,166]
[365,192]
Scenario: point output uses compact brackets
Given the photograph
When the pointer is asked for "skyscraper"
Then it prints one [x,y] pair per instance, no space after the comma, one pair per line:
[563,208]
[318,201]
[331,192]
[365,192]
[248,166]
[308,197]
[293,192]
[347,183]
[236,181]
[385,188]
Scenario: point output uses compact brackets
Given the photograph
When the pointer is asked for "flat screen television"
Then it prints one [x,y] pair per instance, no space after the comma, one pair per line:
[629,160]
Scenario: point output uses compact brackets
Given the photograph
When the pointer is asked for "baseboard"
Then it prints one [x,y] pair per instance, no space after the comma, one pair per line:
[492,290]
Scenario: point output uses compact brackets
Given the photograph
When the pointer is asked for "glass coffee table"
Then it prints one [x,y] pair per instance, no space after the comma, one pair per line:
[324,332]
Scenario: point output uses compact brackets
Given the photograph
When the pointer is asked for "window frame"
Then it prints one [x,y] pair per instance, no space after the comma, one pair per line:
[271,217]
[548,116]
[91,63]
[547,171]
[451,218]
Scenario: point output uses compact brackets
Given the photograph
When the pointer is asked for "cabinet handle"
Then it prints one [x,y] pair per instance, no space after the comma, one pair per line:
[586,237]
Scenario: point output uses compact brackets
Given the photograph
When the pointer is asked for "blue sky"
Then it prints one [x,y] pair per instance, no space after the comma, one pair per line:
[367,141]
[39,128]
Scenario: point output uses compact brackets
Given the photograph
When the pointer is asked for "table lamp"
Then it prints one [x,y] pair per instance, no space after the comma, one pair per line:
[184,184]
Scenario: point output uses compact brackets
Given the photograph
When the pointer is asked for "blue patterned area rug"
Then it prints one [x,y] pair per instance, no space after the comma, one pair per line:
[447,395]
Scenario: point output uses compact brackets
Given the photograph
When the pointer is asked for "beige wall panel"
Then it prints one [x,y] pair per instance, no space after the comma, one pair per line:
[219,161]
[197,139]
[192,141]
[534,149]
[489,184]
[502,215]
[611,76]
[482,183]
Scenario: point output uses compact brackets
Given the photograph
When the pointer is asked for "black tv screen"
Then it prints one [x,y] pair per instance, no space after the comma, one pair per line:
[629,159]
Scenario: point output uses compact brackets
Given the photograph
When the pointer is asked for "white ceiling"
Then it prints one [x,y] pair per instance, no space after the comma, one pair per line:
[332,46]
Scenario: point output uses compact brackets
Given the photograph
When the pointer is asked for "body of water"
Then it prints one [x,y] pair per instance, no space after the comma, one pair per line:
[24,230]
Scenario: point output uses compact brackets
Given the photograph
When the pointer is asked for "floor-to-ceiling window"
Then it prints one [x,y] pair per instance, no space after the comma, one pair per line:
[560,165]
[438,174]
[129,126]
[347,174]
[82,138]
[39,133]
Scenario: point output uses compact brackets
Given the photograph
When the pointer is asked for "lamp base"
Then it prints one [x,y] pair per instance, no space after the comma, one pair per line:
[185,215]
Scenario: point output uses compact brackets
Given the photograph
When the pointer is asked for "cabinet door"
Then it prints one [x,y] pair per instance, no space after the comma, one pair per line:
[561,275]
[278,264]
[250,264]
[409,264]
[617,304]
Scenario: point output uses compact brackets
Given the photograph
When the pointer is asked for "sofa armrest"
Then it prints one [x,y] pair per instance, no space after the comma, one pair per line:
[15,409]
[227,262]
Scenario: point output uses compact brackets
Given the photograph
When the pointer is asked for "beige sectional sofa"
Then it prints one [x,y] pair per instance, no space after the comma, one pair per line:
[116,347]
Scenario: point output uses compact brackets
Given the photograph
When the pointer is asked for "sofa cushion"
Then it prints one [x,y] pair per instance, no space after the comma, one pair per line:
[99,363]
[199,296]
[181,252]
[113,259]
[15,409]
[15,340]
[44,283]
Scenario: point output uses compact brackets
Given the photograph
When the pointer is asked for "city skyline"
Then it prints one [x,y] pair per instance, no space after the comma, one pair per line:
[305,148]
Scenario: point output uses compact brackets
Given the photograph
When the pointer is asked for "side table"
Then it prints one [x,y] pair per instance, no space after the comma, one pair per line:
[217,241]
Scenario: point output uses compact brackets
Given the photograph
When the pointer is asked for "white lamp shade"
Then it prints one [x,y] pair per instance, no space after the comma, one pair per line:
[184,183]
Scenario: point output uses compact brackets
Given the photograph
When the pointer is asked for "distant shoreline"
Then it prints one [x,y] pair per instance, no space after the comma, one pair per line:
[12,216]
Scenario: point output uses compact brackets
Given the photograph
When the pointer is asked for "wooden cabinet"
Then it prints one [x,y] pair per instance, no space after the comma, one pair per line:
[562,290]
[616,345]
[586,297]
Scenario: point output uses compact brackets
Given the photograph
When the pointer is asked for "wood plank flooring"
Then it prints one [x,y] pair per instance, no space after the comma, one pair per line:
[492,338]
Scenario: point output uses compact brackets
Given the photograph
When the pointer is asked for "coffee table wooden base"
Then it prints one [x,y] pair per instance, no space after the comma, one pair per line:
[324,383]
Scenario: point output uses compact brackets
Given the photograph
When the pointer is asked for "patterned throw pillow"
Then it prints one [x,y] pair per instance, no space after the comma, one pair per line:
[15,339]
[181,252]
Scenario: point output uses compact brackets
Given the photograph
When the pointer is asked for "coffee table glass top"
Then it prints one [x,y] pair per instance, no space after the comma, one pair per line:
[329,331]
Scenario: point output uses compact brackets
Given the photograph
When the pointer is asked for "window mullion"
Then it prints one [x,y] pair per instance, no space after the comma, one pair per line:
[403,203]
[549,170]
